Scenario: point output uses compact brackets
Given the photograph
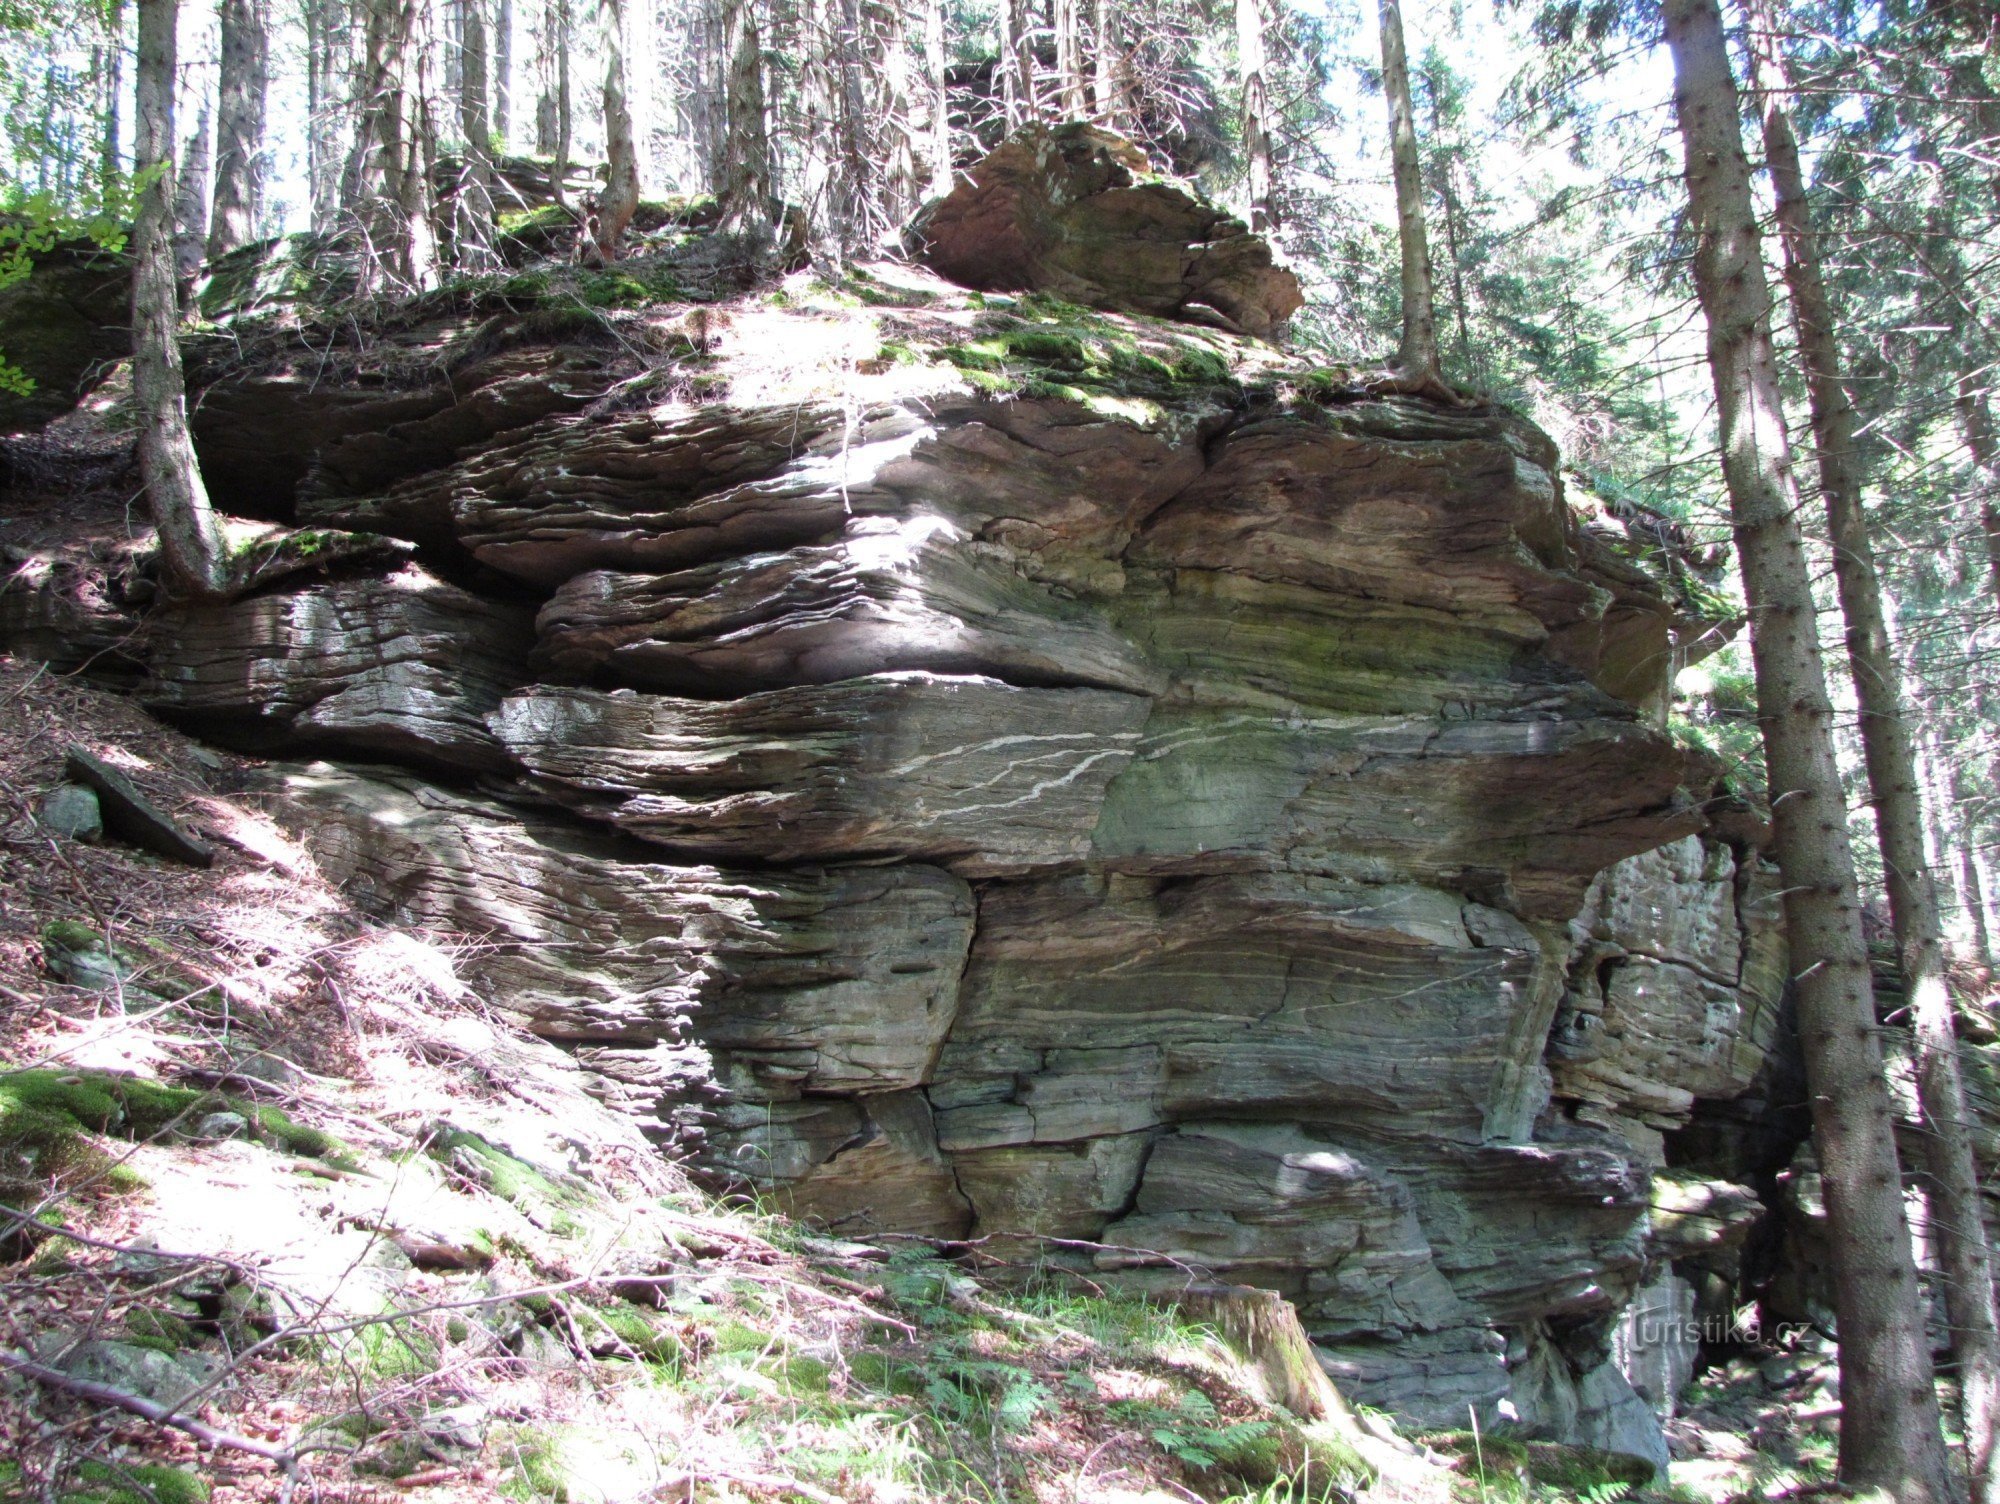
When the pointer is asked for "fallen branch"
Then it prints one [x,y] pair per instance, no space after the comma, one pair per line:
[160,1415]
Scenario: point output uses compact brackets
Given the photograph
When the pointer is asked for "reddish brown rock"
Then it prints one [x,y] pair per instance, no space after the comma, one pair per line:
[1076,211]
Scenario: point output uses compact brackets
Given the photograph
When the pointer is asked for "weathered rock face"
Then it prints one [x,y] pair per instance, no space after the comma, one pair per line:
[1070,210]
[665,979]
[276,435]
[405,666]
[1225,828]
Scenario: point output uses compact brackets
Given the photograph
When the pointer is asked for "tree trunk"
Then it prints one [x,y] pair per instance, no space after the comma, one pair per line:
[1975,418]
[619,197]
[1264,1329]
[642,78]
[503,73]
[239,127]
[327,51]
[1890,754]
[417,182]
[396,242]
[746,151]
[473,221]
[1069,60]
[1257,115]
[191,542]
[1978,896]
[565,110]
[1106,105]
[1889,1434]
[191,207]
[935,60]
[1017,66]
[1448,201]
[114,87]
[903,127]
[847,196]
[1417,366]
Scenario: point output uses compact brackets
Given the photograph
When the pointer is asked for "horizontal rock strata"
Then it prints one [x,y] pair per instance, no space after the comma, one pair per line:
[1228,833]
[795,983]
[405,666]
[982,775]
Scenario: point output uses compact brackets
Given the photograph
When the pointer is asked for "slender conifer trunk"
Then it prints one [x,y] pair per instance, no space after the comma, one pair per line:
[239,127]
[1417,368]
[1890,754]
[1889,1436]
[746,146]
[191,542]
[1256,115]
[619,198]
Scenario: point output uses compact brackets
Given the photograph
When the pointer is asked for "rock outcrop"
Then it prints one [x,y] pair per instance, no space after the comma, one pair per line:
[1220,829]
[63,325]
[1077,211]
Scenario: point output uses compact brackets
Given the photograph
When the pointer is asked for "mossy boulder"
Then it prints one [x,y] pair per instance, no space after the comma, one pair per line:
[548,1199]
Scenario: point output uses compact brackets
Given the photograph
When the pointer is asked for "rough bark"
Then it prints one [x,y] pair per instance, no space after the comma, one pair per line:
[1417,366]
[855,171]
[191,205]
[1256,115]
[746,185]
[327,60]
[618,199]
[1889,1437]
[1975,417]
[239,127]
[1978,897]
[565,110]
[1264,1329]
[383,185]
[417,199]
[1890,754]
[503,72]
[1017,66]
[191,542]
[1069,61]
[474,217]
[903,125]
[940,99]
[1105,103]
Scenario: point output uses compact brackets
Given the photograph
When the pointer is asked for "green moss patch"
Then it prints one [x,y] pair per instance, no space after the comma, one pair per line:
[1053,349]
[136,1483]
[78,954]
[548,1200]
[43,1111]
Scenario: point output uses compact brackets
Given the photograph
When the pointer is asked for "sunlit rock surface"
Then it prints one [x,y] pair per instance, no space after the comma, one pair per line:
[403,666]
[1074,210]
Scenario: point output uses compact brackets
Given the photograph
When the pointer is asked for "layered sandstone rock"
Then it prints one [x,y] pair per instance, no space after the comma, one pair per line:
[403,666]
[1223,828]
[1074,210]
